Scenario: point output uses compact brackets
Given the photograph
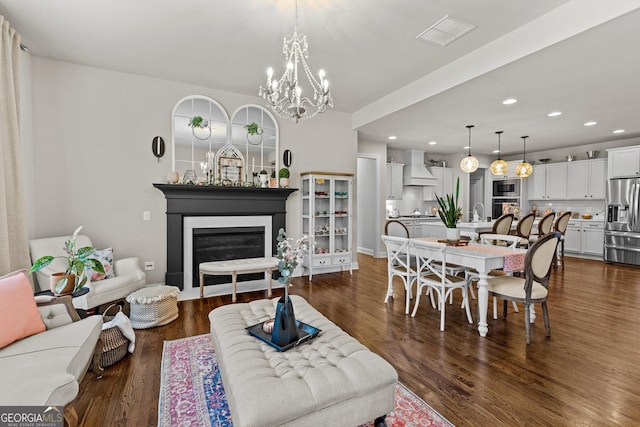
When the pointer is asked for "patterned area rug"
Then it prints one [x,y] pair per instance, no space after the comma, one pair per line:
[191,392]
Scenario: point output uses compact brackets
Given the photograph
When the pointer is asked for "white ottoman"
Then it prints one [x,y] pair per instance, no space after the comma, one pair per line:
[153,306]
[332,380]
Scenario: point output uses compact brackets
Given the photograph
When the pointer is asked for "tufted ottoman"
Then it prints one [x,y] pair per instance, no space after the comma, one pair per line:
[333,380]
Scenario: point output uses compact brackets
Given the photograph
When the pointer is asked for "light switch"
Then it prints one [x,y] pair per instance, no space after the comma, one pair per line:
[146,216]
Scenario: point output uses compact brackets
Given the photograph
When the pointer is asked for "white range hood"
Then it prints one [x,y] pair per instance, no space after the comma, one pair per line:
[415,172]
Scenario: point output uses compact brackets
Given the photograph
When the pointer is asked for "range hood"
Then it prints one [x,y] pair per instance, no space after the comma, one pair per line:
[415,172]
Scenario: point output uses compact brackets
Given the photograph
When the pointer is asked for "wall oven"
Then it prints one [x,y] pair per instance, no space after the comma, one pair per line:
[506,188]
[499,206]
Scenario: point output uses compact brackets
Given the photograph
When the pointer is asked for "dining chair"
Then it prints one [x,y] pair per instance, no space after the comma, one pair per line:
[435,277]
[561,226]
[399,265]
[533,287]
[457,270]
[511,242]
[545,226]
[523,229]
[502,225]
[393,227]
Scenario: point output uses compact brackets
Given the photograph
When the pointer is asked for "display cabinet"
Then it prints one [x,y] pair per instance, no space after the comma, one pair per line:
[327,203]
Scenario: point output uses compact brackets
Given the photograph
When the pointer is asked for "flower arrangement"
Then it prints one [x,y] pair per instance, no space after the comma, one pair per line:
[290,254]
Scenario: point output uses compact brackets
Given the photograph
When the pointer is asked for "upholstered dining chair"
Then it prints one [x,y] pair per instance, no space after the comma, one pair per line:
[435,278]
[502,225]
[533,288]
[523,229]
[393,227]
[561,226]
[545,226]
[399,265]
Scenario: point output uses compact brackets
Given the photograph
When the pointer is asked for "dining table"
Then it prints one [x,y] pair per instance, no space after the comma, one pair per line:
[482,258]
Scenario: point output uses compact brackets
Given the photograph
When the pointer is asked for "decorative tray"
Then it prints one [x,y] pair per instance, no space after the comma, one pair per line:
[461,242]
[305,332]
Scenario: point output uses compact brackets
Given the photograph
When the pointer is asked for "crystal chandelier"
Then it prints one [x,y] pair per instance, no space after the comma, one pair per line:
[284,96]
[524,169]
[499,166]
[469,164]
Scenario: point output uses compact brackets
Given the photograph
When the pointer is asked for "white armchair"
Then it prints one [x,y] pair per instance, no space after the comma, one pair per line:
[129,277]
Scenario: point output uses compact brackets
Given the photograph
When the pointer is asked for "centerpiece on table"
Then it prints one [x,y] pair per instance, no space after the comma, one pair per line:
[290,254]
[74,277]
[450,212]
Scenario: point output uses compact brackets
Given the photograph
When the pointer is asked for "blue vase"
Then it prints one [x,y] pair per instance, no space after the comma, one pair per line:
[285,331]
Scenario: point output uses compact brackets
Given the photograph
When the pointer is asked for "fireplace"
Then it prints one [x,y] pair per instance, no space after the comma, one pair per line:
[198,206]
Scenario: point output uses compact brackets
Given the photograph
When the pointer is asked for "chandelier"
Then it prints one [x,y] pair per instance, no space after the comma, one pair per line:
[499,166]
[285,96]
[524,168]
[469,164]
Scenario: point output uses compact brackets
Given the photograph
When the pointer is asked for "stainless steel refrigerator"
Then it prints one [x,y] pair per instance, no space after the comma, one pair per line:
[622,232]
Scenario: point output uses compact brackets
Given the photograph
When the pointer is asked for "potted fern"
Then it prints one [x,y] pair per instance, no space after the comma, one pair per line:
[450,212]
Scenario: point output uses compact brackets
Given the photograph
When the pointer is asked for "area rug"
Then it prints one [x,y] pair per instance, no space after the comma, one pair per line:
[191,392]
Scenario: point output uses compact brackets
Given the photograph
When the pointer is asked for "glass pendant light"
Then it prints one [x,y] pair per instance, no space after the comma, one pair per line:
[524,169]
[499,166]
[469,164]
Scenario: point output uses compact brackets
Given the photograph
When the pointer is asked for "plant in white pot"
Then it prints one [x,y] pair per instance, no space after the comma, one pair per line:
[74,277]
[284,174]
[450,212]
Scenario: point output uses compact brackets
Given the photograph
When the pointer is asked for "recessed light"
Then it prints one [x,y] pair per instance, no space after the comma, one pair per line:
[618,131]
[466,147]
[591,123]
[555,114]
[495,151]
[392,137]
[509,101]
[432,143]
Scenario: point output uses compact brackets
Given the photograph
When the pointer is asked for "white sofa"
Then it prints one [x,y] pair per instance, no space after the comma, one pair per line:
[129,276]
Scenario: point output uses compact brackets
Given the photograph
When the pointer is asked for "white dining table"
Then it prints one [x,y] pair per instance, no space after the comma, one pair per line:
[483,259]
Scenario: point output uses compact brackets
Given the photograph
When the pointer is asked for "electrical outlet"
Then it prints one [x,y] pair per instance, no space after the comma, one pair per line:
[149,265]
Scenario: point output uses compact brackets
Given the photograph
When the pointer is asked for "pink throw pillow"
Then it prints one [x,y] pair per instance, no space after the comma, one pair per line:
[19,315]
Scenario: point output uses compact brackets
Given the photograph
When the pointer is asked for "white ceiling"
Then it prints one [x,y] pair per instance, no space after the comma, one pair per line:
[578,56]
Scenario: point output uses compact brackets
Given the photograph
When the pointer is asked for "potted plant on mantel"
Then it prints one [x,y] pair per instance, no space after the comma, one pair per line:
[284,174]
[450,212]
[74,277]
[253,129]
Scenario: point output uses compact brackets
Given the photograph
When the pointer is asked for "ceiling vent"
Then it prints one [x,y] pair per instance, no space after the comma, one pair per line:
[445,31]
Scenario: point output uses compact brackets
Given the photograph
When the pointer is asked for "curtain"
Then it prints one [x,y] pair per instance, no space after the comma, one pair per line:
[14,246]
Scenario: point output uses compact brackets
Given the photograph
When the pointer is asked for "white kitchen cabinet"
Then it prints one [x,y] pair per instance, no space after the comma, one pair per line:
[327,204]
[586,179]
[394,181]
[444,183]
[584,237]
[624,162]
[548,182]
[511,170]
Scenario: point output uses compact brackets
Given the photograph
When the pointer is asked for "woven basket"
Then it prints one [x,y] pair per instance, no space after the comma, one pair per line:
[153,306]
[115,344]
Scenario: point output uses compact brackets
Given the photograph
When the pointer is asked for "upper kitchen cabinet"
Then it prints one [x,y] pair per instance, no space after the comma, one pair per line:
[548,182]
[624,162]
[511,170]
[394,181]
[443,185]
[586,179]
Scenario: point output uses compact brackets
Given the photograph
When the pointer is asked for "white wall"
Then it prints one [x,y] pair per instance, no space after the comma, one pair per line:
[94,166]
[379,151]
[368,203]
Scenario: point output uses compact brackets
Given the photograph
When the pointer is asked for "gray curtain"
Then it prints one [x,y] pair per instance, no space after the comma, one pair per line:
[14,247]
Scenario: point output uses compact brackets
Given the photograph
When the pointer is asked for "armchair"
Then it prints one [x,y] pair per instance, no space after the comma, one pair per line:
[129,277]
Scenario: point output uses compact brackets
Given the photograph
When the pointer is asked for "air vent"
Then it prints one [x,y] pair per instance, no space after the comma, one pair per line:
[445,31]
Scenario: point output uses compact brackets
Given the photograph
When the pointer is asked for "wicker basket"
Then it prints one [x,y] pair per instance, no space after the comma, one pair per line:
[115,344]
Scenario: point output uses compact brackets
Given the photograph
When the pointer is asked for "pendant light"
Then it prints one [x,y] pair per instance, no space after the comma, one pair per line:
[524,169]
[469,164]
[499,166]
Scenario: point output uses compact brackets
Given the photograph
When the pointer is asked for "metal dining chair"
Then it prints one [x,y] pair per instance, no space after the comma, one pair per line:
[533,287]
[399,265]
[436,279]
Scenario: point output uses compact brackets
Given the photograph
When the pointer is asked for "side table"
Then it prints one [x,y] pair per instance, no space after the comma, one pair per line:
[82,291]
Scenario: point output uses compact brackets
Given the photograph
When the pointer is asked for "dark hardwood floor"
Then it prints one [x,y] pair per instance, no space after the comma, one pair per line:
[587,373]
